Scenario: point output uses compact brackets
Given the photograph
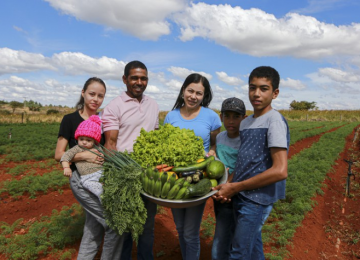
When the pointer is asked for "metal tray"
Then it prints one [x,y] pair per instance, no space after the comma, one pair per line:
[187,202]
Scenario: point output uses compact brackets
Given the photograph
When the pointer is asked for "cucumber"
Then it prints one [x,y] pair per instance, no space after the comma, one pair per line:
[194,167]
[201,188]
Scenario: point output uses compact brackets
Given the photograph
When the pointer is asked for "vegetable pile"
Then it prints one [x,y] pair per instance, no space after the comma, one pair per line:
[169,145]
[183,182]
[123,206]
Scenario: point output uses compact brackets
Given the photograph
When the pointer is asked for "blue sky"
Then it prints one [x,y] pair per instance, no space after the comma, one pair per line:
[49,48]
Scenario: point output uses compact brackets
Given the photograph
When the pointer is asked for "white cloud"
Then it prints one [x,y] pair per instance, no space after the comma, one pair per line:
[232,81]
[217,89]
[12,61]
[292,84]
[258,33]
[183,72]
[75,63]
[174,84]
[245,88]
[152,89]
[339,75]
[141,18]
[20,89]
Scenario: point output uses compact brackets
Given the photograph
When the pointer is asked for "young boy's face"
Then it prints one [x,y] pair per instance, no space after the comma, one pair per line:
[86,142]
[261,95]
[231,122]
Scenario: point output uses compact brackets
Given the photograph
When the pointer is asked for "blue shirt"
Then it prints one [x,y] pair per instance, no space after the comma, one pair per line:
[205,122]
[257,136]
[227,149]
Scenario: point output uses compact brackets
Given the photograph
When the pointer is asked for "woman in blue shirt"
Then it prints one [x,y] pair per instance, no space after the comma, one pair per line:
[191,112]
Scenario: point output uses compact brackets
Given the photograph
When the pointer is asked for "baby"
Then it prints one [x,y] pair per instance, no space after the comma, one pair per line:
[88,134]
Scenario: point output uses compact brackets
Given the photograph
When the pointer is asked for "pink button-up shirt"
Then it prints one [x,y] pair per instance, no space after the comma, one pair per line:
[128,115]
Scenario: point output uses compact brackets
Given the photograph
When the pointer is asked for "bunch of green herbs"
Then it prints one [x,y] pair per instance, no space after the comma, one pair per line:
[169,145]
[123,206]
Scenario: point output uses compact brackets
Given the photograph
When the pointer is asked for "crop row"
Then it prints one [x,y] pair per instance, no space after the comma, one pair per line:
[28,141]
[296,135]
[29,239]
[307,171]
[303,126]
[32,184]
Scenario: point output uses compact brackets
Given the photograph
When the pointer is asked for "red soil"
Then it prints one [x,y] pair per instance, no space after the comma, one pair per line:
[332,220]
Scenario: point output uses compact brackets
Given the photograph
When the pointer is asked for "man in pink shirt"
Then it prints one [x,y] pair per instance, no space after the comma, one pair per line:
[122,120]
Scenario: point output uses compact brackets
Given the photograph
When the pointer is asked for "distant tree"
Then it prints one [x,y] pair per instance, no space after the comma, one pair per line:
[3,102]
[33,106]
[302,105]
[14,105]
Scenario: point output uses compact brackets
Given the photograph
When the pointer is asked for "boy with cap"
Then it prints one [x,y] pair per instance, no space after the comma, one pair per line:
[261,166]
[88,134]
[227,146]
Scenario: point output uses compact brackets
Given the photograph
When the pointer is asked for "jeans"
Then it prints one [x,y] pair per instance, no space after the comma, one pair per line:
[146,239]
[187,221]
[250,217]
[95,228]
[224,230]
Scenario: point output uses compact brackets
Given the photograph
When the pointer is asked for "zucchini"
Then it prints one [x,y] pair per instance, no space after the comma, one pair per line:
[194,167]
[201,188]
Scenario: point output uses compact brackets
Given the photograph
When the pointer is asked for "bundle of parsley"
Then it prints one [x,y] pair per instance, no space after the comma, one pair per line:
[123,206]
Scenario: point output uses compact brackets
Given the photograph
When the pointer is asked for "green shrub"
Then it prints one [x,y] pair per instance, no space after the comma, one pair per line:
[5,112]
[52,111]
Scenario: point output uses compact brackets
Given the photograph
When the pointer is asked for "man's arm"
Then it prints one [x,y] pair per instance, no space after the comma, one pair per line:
[277,172]
[111,137]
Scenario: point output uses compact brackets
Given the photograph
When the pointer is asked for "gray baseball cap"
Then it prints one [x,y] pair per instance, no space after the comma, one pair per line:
[233,104]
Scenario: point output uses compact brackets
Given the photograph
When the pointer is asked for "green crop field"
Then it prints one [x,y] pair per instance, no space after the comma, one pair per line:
[37,141]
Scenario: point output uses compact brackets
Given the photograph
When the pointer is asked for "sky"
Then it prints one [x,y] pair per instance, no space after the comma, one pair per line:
[49,48]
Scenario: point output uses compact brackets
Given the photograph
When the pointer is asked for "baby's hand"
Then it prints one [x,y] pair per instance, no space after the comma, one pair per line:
[67,172]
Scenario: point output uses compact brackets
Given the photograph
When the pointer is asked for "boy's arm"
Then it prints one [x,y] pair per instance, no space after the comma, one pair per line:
[277,172]
[213,134]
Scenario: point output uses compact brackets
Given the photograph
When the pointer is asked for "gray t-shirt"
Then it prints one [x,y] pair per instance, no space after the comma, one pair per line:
[257,136]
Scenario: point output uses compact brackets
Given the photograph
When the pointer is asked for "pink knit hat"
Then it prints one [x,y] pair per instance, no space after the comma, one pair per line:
[90,128]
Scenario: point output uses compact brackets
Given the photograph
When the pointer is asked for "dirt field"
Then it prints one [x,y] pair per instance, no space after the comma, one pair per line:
[330,231]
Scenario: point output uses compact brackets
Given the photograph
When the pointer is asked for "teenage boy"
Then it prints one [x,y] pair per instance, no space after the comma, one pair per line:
[261,166]
[227,146]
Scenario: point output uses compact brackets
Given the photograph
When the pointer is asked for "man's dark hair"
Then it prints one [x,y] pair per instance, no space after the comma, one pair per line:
[133,65]
[268,73]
